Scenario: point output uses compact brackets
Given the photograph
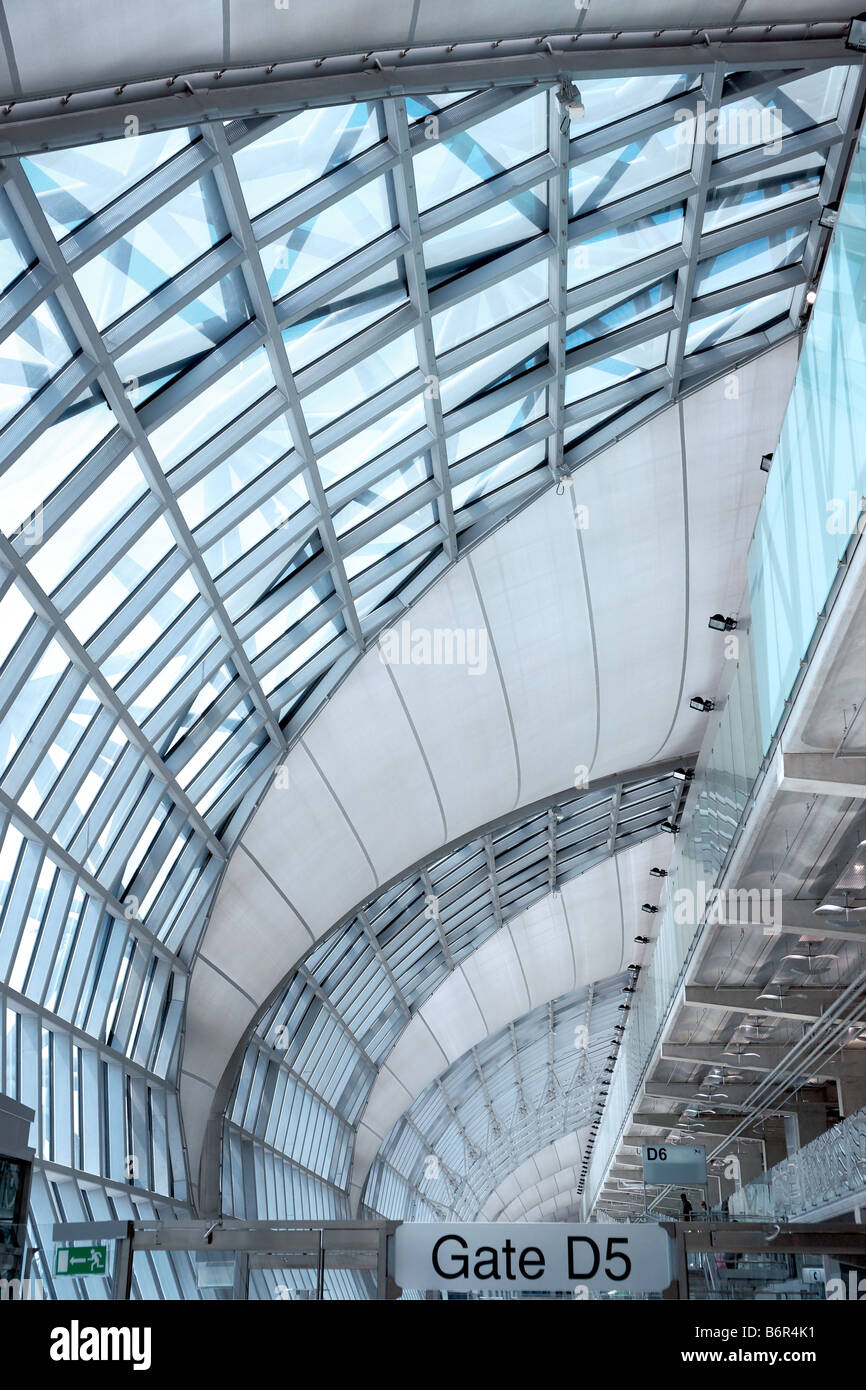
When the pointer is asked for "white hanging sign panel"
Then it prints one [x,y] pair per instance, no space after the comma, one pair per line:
[544,1255]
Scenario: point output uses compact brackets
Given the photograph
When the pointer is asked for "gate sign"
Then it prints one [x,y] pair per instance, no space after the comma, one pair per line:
[546,1255]
[673,1163]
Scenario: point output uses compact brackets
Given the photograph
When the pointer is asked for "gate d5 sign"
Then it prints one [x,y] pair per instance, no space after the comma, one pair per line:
[485,1255]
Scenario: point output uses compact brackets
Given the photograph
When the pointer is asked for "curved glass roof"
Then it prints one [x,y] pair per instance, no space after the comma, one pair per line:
[264,381]
[309,1069]
[507,1098]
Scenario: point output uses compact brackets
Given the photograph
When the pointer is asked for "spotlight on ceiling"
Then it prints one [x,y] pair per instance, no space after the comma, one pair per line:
[811,296]
[658,873]
[648,907]
[642,940]
[699,703]
[570,99]
[766,460]
[683,774]
[857,34]
[669,826]
[719,623]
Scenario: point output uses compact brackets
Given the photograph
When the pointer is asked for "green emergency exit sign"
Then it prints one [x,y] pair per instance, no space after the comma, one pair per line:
[80,1259]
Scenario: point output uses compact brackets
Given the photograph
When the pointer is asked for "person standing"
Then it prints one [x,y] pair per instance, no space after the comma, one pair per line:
[687,1207]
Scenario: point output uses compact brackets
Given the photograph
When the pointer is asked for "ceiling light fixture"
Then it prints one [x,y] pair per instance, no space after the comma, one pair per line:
[569,98]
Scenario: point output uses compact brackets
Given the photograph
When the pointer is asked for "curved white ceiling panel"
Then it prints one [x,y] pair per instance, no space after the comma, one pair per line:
[560,1157]
[552,639]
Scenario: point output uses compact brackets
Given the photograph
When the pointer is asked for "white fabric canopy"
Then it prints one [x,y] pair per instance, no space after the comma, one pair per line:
[542,1184]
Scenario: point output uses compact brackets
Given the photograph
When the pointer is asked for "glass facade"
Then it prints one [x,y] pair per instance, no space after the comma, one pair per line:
[817,481]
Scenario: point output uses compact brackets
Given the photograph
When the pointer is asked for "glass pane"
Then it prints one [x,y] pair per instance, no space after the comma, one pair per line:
[74,184]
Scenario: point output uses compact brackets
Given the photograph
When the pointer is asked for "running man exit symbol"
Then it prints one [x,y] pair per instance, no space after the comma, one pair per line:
[80,1259]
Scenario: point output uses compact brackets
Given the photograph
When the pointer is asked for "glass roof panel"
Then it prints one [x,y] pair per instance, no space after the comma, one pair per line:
[154,251]
[72,185]
[615,312]
[735,323]
[449,166]
[361,382]
[497,229]
[641,357]
[623,245]
[31,355]
[181,340]
[499,304]
[387,490]
[52,458]
[610,99]
[616,174]
[752,259]
[297,152]
[791,107]
[762,192]
[13,258]
[329,238]
[366,302]
[211,408]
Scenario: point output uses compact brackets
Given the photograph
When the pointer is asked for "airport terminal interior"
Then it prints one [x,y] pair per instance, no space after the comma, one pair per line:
[432,651]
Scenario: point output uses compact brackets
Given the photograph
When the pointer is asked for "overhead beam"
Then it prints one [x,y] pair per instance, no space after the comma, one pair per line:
[735,1094]
[62,118]
[821,774]
[715,1127]
[768,1058]
[798,916]
[810,1004]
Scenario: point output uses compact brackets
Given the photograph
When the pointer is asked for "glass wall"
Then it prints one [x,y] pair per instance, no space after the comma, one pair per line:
[818,477]
[809,512]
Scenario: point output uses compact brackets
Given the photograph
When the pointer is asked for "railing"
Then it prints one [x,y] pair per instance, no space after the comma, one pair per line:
[829,1169]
